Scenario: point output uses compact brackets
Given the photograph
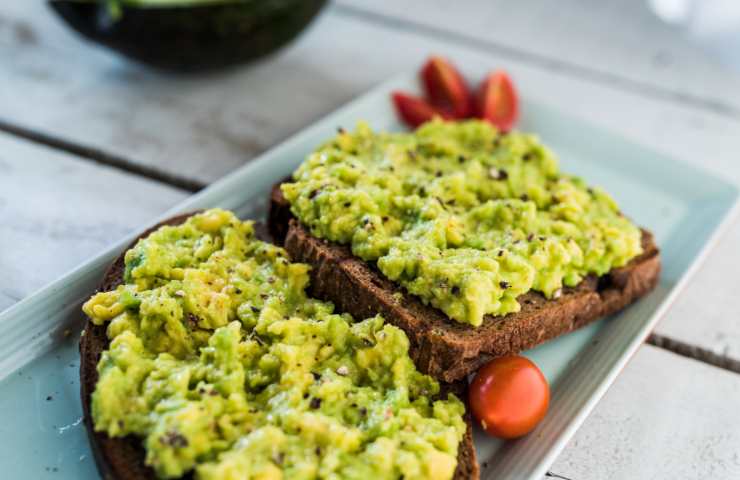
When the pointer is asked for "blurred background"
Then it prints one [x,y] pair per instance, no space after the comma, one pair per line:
[57,83]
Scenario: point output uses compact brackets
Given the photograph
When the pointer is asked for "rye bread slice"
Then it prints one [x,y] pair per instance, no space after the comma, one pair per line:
[445,349]
[123,458]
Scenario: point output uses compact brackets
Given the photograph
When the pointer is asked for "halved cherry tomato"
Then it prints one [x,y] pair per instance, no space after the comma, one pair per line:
[414,110]
[509,396]
[497,101]
[446,88]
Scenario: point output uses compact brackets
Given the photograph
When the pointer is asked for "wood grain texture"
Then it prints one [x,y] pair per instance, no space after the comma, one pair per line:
[202,127]
[618,42]
[665,417]
[57,211]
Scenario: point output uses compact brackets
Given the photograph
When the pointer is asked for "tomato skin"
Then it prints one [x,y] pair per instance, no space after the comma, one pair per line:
[414,110]
[497,101]
[446,88]
[509,396]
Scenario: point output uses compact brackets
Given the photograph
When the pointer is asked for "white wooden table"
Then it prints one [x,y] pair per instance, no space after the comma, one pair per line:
[92,147]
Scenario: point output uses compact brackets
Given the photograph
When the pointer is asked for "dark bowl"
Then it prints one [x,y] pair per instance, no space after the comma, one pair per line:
[191,38]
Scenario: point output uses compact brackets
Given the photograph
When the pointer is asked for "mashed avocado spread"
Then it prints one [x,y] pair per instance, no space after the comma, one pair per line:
[461,215]
[223,366]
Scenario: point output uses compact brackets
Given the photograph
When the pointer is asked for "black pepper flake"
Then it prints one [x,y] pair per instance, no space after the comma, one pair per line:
[313,193]
[590,190]
[542,239]
[174,439]
[385,219]
[347,204]
[455,290]
[527,157]
[278,458]
[315,403]
[238,291]
[363,411]
[341,130]
[316,376]
[255,309]
[271,280]
[500,253]
[263,296]
[530,237]
[438,174]
[318,451]
[49,398]
[305,395]
[504,284]
[461,159]
[524,197]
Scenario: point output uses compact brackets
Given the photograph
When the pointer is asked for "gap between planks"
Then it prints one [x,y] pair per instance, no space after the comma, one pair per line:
[555,475]
[694,352]
[103,158]
[676,346]
[545,62]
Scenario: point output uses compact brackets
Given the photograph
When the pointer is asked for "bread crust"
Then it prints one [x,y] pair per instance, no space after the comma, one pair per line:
[123,458]
[449,350]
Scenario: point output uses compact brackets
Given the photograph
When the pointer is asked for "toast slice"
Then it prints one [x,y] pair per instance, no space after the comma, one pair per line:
[442,348]
[123,458]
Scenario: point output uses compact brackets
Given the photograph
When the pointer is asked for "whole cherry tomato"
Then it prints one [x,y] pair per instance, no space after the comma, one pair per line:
[509,396]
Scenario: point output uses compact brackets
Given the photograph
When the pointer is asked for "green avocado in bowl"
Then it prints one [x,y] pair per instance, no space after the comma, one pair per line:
[189,35]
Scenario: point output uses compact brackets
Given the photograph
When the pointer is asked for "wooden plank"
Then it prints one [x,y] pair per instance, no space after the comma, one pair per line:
[621,42]
[201,127]
[706,314]
[665,417]
[57,211]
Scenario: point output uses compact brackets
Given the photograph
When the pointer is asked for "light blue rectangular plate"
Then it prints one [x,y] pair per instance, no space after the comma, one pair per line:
[40,424]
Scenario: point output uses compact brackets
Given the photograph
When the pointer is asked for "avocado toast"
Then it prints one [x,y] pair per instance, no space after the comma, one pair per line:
[470,240]
[117,423]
